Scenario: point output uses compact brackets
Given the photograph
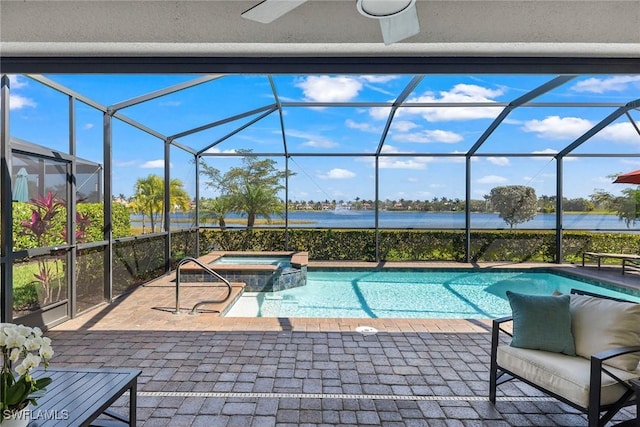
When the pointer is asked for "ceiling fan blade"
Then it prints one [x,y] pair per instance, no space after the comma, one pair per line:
[268,11]
[400,26]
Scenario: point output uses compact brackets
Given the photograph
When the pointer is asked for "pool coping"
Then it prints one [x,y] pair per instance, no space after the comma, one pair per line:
[298,258]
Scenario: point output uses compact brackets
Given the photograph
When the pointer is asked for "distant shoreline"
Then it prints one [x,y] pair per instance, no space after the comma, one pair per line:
[595,221]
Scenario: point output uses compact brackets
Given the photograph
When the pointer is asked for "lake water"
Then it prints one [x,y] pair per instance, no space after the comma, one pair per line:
[428,220]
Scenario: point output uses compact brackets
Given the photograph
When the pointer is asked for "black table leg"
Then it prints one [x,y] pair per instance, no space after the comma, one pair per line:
[133,402]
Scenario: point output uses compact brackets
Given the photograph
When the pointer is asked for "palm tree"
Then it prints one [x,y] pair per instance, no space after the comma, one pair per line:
[257,200]
[217,209]
[149,196]
[179,199]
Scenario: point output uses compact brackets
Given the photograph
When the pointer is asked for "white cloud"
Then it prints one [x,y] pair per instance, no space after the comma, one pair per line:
[380,113]
[623,132]
[413,163]
[153,164]
[372,81]
[337,173]
[413,179]
[329,89]
[88,126]
[492,179]
[499,161]
[609,84]
[403,125]
[371,78]
[545,151]
[556,127]
[311,139]
[460,93]
[17,82]
[319,143]
[363,126]
[386,148]
[216,150]
[17,102]
[429,136]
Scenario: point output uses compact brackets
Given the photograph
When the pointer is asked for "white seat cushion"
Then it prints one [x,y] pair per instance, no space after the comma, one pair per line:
[566,376]
[602,324]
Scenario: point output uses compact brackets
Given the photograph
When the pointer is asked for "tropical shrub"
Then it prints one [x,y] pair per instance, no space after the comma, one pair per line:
[41,223]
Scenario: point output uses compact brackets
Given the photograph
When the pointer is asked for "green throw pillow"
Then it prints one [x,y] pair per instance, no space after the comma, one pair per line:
[542,322]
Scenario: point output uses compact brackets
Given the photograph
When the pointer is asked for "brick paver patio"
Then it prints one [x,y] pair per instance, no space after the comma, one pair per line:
[209,371]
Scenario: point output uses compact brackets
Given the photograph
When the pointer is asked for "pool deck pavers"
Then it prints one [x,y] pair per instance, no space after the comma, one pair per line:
[206,370]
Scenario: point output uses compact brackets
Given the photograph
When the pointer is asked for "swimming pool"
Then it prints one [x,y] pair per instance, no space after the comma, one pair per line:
[408,294]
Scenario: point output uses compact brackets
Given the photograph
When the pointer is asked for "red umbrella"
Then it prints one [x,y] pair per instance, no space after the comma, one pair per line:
[628,178]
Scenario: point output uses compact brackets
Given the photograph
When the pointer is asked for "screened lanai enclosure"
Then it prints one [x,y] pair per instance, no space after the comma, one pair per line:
[108,180]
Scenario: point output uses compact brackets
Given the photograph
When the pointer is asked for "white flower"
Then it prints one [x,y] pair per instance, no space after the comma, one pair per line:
[32,344]
[19,341]
[46,352]
[29,362]
[22,342]
[25,331]
[14,339]
[15,354]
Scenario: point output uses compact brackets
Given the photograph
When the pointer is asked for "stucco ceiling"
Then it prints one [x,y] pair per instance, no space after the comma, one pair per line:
[318,28]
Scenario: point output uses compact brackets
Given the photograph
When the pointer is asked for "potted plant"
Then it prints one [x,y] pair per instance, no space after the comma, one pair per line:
[23,349]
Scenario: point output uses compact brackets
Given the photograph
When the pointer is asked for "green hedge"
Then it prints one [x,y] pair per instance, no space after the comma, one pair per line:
[421,245]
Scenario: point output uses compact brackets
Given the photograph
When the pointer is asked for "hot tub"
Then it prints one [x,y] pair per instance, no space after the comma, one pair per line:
[260,271]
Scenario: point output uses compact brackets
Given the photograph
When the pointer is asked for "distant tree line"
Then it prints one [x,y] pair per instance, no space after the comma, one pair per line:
[253,188]
[544,204]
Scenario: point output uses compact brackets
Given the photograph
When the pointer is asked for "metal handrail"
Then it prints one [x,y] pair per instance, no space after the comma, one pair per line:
[208,270]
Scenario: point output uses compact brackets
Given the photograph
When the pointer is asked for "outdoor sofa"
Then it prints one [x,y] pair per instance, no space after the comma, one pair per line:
[582,349]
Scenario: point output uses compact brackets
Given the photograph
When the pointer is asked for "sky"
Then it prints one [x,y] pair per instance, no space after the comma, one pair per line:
[314,134]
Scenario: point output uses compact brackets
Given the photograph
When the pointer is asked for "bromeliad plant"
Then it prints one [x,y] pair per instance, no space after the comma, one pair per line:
[41,225]
[25,348]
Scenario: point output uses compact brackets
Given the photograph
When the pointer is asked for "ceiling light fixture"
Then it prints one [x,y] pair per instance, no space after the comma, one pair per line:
[383,8]
[398,18]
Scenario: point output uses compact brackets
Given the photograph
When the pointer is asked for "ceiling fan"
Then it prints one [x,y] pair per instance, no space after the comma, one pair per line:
[398,18]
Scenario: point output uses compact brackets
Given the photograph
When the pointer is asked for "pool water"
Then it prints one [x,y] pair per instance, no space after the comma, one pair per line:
[408,294]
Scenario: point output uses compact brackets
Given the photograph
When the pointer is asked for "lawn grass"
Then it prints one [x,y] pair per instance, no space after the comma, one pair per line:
[26,285]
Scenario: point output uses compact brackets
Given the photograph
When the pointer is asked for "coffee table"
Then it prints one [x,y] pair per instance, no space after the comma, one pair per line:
[78,396]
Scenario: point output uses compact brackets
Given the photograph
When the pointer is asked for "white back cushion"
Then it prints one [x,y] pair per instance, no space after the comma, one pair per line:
[600,324]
